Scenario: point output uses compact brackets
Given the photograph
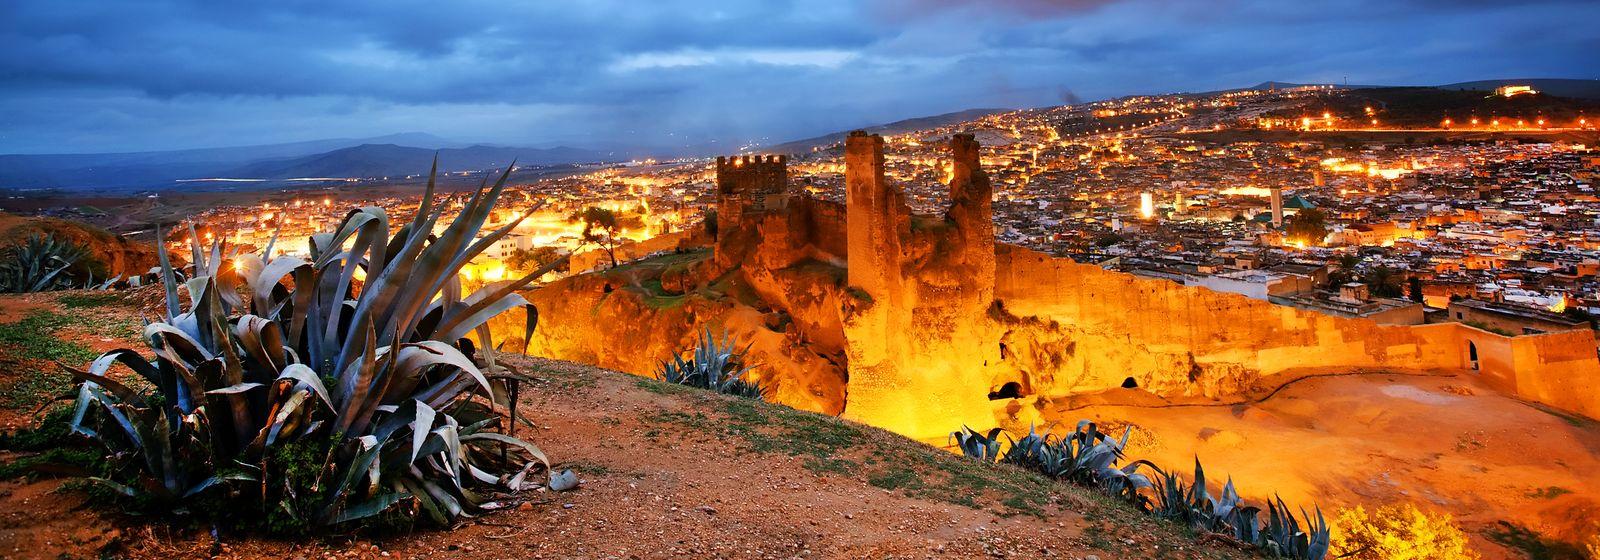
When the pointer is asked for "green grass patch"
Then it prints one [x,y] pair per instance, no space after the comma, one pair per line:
[660,387]
[34,338]
[81,301]
[33,346]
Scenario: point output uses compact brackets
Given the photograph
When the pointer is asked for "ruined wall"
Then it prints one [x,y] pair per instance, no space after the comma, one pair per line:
[920,344]
[1107,326]
[1074,327]
[824,222]
[1559,369]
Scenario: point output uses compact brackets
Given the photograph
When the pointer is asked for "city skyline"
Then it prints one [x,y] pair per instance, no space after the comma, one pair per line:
[158,75]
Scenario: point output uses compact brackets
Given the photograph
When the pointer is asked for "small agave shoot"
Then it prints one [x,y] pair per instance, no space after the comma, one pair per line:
[714,365]
[320,399]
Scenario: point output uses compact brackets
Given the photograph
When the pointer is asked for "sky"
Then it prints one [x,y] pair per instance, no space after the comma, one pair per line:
[79,76]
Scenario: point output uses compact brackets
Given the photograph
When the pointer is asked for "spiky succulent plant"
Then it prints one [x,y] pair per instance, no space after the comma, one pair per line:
[716,366]
[1089,457]
[318,397]
[39,263]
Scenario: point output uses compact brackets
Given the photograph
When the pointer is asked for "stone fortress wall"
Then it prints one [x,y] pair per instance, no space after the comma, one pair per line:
[912,323]
[1184,340]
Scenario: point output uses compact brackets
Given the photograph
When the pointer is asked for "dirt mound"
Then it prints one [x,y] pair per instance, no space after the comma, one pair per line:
[121,256]
[666,472]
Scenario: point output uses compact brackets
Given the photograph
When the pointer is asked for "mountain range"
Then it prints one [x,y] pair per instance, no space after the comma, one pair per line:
[395,155]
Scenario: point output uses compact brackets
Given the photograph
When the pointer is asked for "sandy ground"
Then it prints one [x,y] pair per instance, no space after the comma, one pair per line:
[1443,442]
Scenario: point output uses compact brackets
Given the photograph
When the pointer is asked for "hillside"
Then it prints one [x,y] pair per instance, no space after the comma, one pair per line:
[392,155]
[1581,89]
[896,127]
[666,471]
[120,255]
[391,160]
[1425,107]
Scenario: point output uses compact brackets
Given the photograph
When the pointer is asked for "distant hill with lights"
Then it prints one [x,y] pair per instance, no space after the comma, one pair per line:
[1430,107]
[1577,89]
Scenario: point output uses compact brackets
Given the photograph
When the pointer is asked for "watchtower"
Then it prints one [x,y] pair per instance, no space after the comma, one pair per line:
[752,184]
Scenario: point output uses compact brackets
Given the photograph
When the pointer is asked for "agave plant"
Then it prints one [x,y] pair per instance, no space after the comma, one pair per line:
[975,445]
[714,365]
[1280,536]
[366,381]
[39,263]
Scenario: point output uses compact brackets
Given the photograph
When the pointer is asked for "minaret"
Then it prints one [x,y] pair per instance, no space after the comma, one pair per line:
[1277,206]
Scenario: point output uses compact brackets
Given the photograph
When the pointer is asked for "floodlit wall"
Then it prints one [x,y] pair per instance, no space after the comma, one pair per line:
[1178,339]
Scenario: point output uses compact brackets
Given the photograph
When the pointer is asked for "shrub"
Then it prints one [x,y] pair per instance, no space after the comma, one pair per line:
[320,401]
[40,263]
[716,366]
[1398,532]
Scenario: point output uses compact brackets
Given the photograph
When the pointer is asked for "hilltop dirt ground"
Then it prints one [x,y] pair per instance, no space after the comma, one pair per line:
[666,471]
[1520,478]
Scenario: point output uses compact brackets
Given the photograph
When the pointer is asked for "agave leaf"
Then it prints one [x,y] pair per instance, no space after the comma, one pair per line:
[167,277]
[370,507]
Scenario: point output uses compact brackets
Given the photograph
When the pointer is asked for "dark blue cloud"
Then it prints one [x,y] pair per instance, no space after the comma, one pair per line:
[128,75]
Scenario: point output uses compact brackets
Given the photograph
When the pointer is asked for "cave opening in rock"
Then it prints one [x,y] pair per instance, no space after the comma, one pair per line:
[1130,383]
[1011,390]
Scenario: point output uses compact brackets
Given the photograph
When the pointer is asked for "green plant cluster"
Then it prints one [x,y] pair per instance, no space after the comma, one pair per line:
[1089,457]
[43,262]
[318,401]
[714,365]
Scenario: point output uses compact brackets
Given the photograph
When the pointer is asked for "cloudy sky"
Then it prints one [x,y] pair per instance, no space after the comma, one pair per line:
[128,75]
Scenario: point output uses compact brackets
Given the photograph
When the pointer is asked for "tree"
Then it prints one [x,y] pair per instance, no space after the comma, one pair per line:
[1414,286]
[604,228]
[1308,226]
[1384,282]
[524,261]
[1398,531]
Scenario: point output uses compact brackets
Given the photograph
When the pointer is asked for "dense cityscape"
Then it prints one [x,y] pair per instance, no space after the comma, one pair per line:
[1381,228]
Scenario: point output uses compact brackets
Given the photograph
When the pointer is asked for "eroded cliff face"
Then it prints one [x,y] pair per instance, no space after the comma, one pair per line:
[627,319]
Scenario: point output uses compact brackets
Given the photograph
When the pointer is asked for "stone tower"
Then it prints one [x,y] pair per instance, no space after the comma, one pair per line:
[1277,206]
[920,341]
[751,184]
[749,189]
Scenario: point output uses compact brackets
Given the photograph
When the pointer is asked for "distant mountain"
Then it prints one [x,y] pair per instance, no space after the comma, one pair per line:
[1561,87]
[896,127]
[161,169]
[390,160]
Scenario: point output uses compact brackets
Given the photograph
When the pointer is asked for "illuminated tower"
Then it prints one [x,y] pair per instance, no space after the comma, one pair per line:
[1147,205]
[1316,178]
[1277,206]
[1178,204]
